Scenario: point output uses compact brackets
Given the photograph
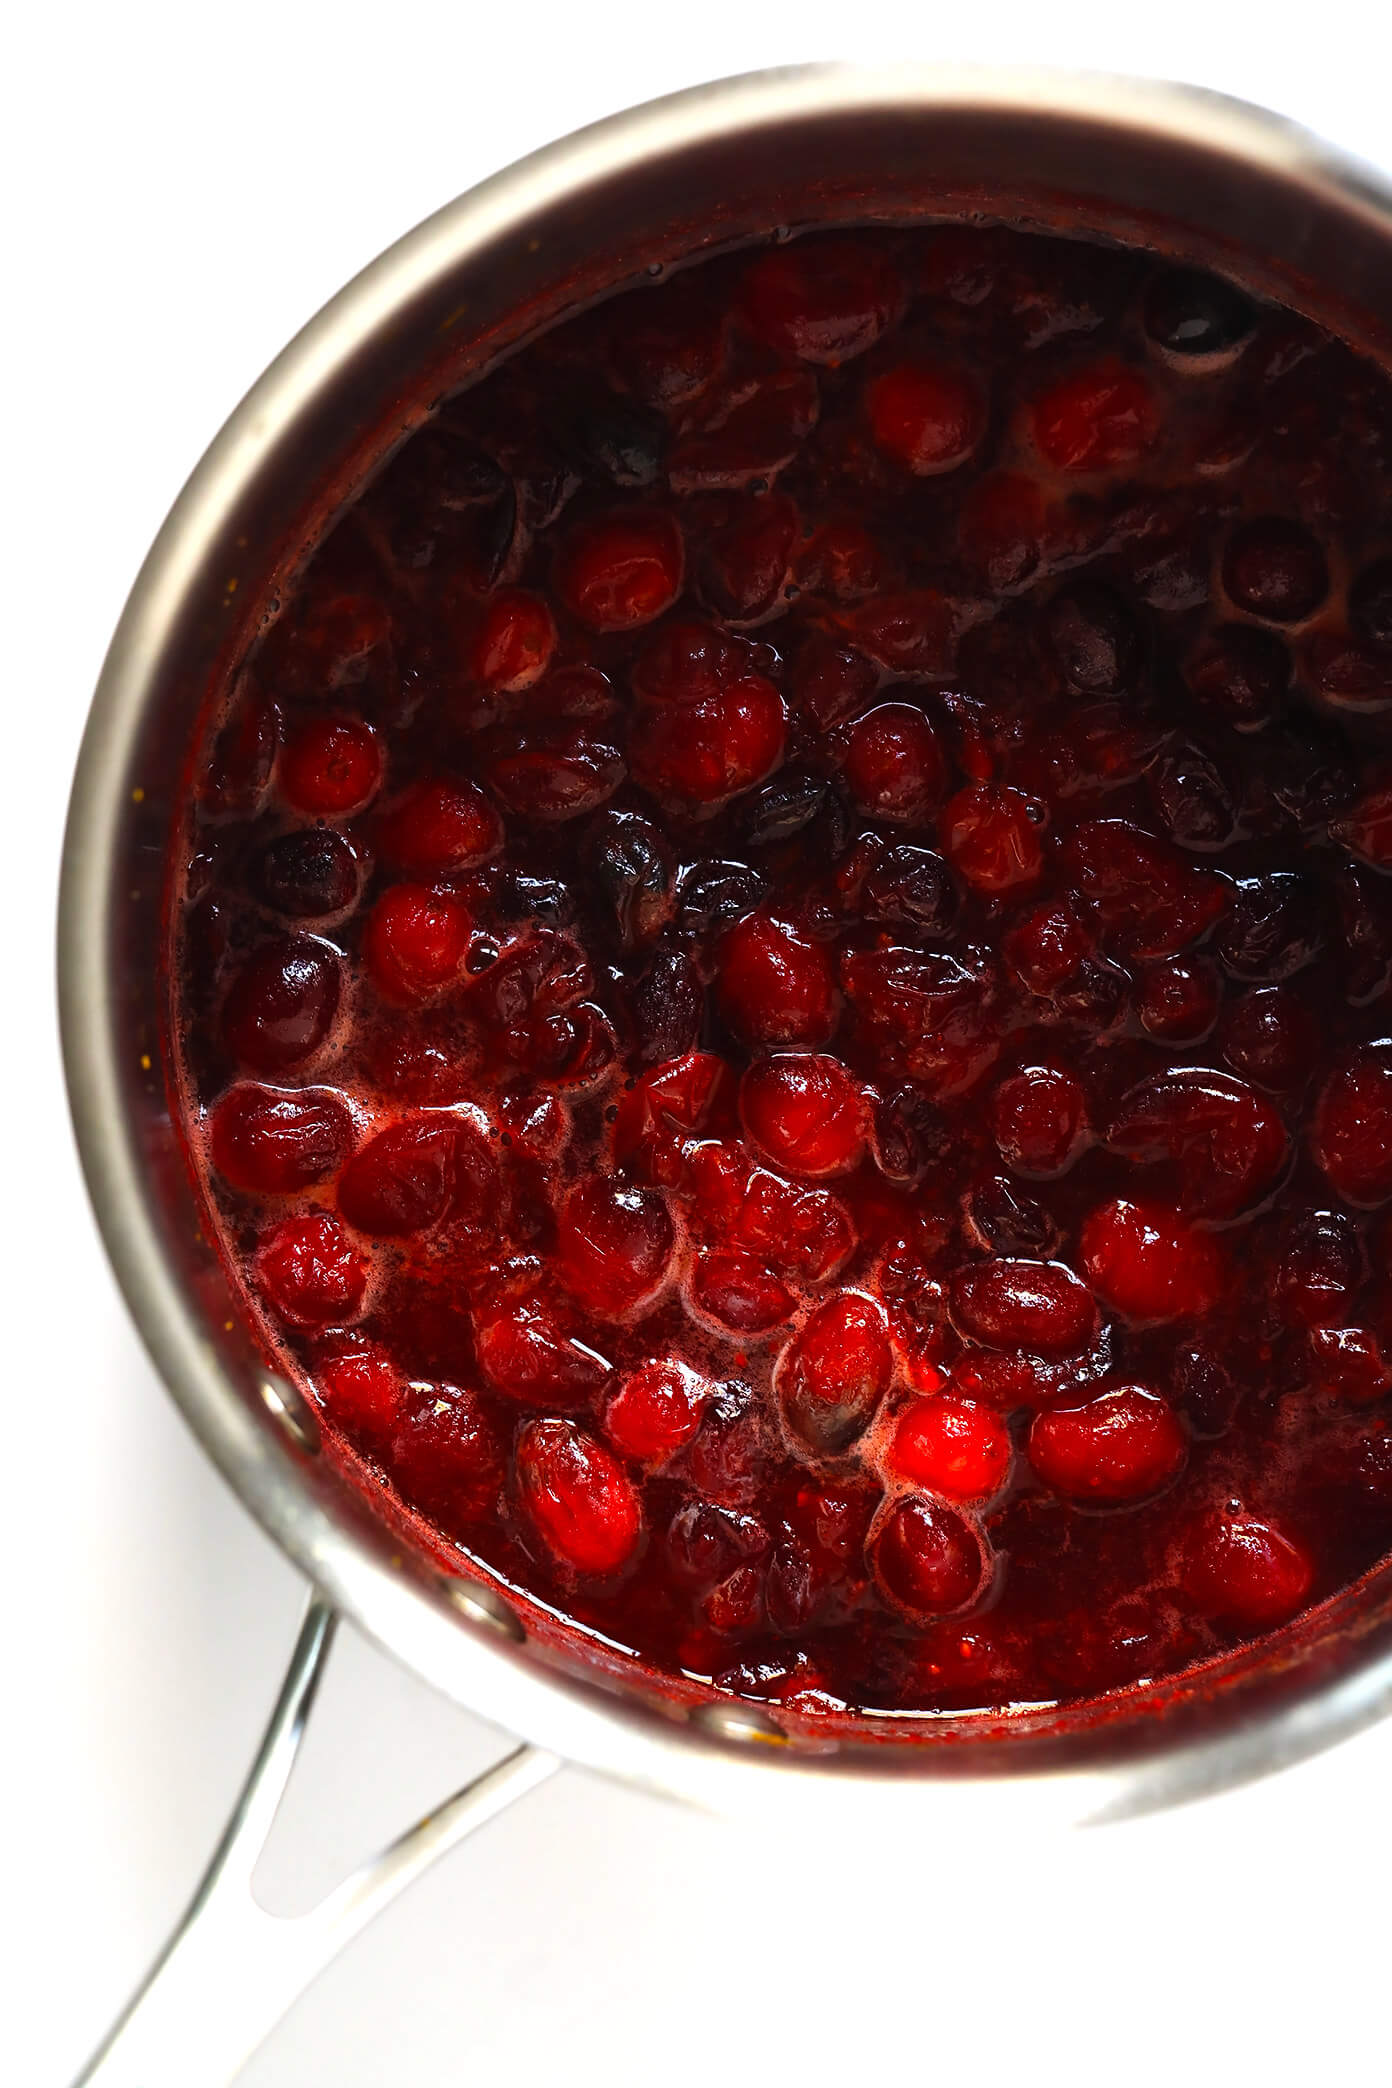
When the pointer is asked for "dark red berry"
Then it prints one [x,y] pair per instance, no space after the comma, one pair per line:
[614,1247]
[1120,1446]
[805,1112]
[951,1446]
[309,1271]
[775,985]
[330,767]
[1275,570]
[927,1558]
[1148,1264]
[281,1005]
[577,1498]
[1245,1570]
[833,1375]
[271,1142]
[1034,1305]
[926,416]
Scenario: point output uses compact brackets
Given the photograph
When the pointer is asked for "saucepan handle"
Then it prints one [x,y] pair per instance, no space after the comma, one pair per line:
[231,1970]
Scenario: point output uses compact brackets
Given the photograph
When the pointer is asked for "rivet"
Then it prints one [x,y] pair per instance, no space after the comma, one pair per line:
[287,1405]
[742,1722]
[485,1606]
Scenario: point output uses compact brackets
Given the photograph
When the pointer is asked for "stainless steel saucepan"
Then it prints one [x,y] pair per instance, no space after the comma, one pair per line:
[1185,172]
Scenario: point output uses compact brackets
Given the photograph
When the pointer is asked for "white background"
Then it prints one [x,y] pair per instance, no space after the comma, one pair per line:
[185,184]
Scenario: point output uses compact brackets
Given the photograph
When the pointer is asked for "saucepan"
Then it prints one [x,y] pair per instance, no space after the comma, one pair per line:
[1189,174]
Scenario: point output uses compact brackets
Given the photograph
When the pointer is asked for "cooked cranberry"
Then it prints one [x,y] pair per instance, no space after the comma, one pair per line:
[330,766]
[605,435]
[1004,1220]
[414,942]
[281,1005]
[1139,886]
[448,1454]
[834,1373]
[533,977]
[805,1112]
[1366,828]
[775,985]
[633,867]
[309,1271]
[823,299]
[553,771]
[951,1446]
[830,682]
[928,1559]
[614,1247]
[1039,1117]
[656,1411]
[271,1142]
[361,1389]
[1348,678]
[993,837]
[1118,1447]
[1244,1569]
[1222,1144]
[1272,1037]
[305,875]
[1275,570]
[925,415]
[1194,315]
[524,1352]
[1179,1000]
[1204,1389]
[739,1291]
[405,1179]
[913,888]
[1350,1363]
[617,573]
[1102,417]
[1035,1305]
[1370,605]
[1352,1138]
[1242,673]
[437,827]
[746,437]
[1193,800]
[670,348]
[1276,924]
[1148,1264]
[708,751]
[577,1497]
[894,765]
[745,565]
[668,1004]
[706,1542]
[1364,905]
[1094,638]
[238,773]
[1321,1268]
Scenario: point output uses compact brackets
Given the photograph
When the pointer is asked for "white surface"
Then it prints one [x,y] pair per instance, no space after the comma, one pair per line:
[184,185]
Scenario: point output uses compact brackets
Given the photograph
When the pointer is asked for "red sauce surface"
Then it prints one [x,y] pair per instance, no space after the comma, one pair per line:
[784,962]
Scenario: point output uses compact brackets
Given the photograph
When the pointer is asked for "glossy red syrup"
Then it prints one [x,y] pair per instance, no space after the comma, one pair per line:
[785,971]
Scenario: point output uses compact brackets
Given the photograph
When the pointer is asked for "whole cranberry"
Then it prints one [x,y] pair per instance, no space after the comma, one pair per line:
[438,826]
[281,1005]
[1121,1446]
[833,1375]
[913,888]
[1276,924]
[448,1455]
[656,1411]
[1276,570]
[513,644]
[774,984]
[1193,800]
[614,1247]
[1242,673]
[1222,1145]
[822,298]
[309,1272]
[739,1292]
[993,837]
[1101,418]
[308,874]
[361,1391]
[711,750]
[409,1176]
[804,1110]
[414,942]
[1148,1264]
[1094,638]
[926,415]
[1244,1570]
[617,572]
[1039,1118]
[271,1142]
[1352,1134]
[951,1446]
[1011,1304]
[525,1353]
[1321,1268]
[1271,1037]
[1178,1001]
[927,1558]
[577,1497]
[894,765]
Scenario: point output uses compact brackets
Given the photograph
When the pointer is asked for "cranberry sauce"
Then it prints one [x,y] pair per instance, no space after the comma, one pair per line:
[785,961]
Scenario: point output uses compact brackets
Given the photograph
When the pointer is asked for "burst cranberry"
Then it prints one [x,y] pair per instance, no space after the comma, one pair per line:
[1352,1136]
[448,1454]
[662,1111]
[405,1179]
[822,299]
[1002,528]
[362,1392]
[1350,1363]
[1178,1001]
[1322,1266]
[1093,638]
[1275,570]
[438,827]
[614,1247]
[1099,419]
[310,1272]
[805,1112]
[619,572]
[833,1375]
[330,767]
[745,566]
[926,416]
[1366,828]
[281,1005]
[308,874]
[993,837]
[1142,887]
[831,682]
[524,1352]
[1246,1570]
[1271,1037]
[1223,1145]
[739,1291]
[514,643]
[1118,1447]
[414,942]
[554,771]
[775,985]
[577,1498]
[894,765]
[1148,1264]
[708,751]
[271,1142]
[1040,1306]
[656,1411]
[1039,1117]
[954,1447]
[1242,673]
[927,1558]
[238,774]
